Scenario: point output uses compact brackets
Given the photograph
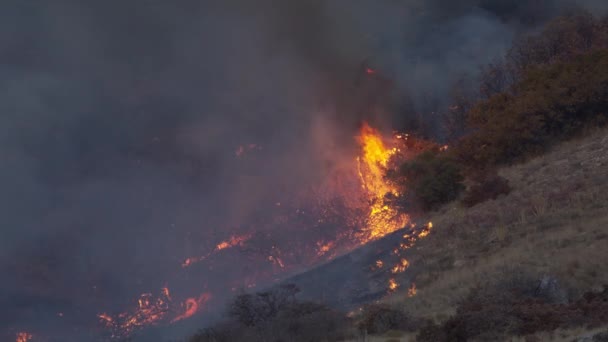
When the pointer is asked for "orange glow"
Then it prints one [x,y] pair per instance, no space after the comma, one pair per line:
[23,337]
[392,285]
[149,311]
[276,261]
[232,242]
[324,247]
[379,263]
[401,267]
[192,306]
[426,231]
[411,292]
[372,164]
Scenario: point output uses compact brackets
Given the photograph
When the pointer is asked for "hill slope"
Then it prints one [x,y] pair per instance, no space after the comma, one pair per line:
[552,225]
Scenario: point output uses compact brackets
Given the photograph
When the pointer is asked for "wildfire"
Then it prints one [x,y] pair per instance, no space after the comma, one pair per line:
[192,306]
[379,263]
[324,247]
[411,292]
[401,267]
[150,311]
[232,242]
[382,219]
[392,285]
[23,337]
[276,260]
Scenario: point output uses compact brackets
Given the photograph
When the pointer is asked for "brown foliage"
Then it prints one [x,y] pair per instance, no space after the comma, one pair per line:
[488,186]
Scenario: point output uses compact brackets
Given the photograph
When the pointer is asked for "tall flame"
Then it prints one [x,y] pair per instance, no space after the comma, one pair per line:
[382,219]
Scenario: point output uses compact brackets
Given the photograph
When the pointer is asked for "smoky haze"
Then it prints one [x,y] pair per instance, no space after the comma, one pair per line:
[119,123]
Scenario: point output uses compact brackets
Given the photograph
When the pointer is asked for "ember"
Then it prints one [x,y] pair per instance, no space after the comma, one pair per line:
[23,337]
[392,285]
[411,292]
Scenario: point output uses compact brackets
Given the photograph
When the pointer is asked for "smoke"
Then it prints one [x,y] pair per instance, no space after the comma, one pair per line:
[120,124]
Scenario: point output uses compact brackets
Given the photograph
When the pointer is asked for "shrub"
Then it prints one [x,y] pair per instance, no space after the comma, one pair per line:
[433,179]
[549,103]
[276,315]
[431,332]
[380,318]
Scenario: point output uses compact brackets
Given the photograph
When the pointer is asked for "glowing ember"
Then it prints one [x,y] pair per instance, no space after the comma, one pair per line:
[150,311]
[426,231]
[379,263]
[411,292]
[392,285]
[192,306]
[23,337]
[276,260]
[382,218]
[232,242]
[324,248]
[401,267]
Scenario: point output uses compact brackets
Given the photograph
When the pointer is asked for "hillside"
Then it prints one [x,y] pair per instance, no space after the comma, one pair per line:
[547,237]
[553,225]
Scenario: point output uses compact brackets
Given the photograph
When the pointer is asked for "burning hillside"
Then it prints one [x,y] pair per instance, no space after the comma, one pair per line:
[330,221]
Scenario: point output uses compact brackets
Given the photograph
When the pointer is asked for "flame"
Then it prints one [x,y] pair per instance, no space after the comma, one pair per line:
[401,267]
[379,263]
[23,337]
[371,167]
[411,292]
[150,311]
[192,306]
[276,260]
[426,231]
[232,242]
[324,247]
[392,285]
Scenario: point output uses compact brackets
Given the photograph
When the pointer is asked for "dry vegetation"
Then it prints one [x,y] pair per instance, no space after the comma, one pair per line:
[554,223]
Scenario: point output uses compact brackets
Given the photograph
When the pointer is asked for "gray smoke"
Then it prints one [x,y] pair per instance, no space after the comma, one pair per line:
[120,120]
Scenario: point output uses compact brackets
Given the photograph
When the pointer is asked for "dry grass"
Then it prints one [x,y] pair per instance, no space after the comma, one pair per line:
[555,222]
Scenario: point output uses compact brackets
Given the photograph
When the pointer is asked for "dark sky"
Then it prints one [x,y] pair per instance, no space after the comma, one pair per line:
[119,119]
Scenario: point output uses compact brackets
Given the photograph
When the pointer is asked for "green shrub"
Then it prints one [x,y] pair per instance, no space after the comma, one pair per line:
[432,178]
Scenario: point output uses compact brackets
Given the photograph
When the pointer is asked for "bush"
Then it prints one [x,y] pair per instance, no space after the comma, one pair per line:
[276,315]
[549,103]
[488,187]
[431,332]
[433,179]
[380,318]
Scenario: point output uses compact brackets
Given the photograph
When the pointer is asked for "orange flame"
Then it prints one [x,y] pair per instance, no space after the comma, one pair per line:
[232,242]
[324,247]
[382,218]
[401,267]
[192,306]
[23,337]
[392,285]
[411,292]
[150,311]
